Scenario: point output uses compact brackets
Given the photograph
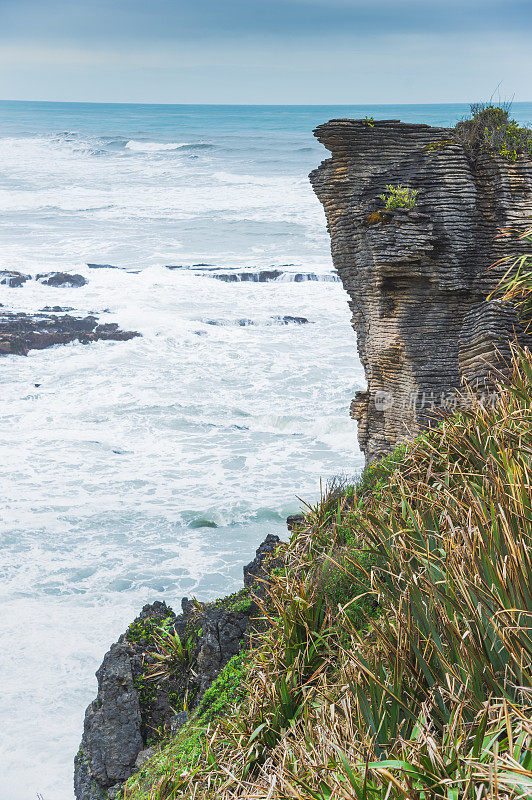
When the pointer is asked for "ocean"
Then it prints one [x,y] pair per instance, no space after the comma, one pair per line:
[151,469]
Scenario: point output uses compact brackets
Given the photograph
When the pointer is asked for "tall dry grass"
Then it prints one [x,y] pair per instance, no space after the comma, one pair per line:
[398,661]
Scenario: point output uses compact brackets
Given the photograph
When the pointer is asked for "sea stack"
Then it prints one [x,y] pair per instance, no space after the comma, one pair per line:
[418,279]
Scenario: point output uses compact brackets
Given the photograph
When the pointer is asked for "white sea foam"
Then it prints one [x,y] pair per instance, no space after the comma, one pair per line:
[124,206]
[122,446]
[154,147]
[110,463]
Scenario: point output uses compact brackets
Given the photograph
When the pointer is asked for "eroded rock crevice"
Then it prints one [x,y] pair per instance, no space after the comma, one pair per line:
[418,278]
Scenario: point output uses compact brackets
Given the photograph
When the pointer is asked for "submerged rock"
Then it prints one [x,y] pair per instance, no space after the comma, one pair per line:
[268,275]
[12,278]
[61,279]
[136,702]
[288,320]
[246,323]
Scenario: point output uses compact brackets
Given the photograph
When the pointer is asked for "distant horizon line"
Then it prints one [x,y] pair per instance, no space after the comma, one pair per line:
[256,105]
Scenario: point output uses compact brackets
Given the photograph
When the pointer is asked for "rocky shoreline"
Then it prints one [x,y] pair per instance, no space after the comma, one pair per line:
[137,703]
[21,332]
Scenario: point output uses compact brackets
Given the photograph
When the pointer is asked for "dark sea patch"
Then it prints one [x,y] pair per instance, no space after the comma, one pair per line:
[286,319]
[198,146]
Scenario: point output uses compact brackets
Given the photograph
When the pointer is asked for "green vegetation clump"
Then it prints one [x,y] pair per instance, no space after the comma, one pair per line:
[227,689]
[399,197]
[239,601]
[438,146]
[490,129]
[142,631]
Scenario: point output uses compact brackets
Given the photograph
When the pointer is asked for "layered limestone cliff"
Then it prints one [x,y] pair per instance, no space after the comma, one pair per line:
[418,278]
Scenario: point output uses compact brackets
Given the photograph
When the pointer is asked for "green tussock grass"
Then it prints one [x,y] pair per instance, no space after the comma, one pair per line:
[397,659]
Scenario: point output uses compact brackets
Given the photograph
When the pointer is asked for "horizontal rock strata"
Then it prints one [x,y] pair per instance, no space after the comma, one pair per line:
[418,279]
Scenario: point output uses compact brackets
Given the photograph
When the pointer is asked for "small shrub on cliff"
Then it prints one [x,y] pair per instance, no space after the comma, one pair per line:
[490,129]
[399,197]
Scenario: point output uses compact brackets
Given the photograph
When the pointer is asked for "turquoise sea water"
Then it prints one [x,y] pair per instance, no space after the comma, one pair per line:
[115,467]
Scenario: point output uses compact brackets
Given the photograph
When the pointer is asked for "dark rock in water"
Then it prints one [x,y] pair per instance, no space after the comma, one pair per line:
[253,275]
[61,279]
[102,266]
[294,521]
[267,275]
[20,332]
[131,705]
[262,276]
[287,320]
[12,278]
[246,323]
[57,309]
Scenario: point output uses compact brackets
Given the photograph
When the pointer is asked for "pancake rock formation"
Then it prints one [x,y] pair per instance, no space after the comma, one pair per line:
[418,278]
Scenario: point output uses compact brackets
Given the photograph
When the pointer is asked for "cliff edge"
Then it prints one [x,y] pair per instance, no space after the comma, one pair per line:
[418,278]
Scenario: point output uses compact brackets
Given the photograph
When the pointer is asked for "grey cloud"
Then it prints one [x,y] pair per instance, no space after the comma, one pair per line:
[185,19]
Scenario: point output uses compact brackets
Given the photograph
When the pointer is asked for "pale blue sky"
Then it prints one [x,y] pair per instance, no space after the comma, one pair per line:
[265,51]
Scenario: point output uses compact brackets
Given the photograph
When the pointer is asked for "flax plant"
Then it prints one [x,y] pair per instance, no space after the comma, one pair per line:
[415,682]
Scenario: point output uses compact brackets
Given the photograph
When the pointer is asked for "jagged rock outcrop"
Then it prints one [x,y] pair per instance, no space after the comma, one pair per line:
[112,739]
[418,279]
[136,702]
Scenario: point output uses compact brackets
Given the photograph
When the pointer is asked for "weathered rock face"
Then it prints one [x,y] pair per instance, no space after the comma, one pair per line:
[418,279]
[112,738]
[135,703]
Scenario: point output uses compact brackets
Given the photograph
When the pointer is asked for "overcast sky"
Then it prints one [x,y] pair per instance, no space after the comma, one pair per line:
[265,51]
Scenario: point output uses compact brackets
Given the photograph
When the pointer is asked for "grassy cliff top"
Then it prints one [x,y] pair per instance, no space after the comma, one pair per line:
[397,662]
